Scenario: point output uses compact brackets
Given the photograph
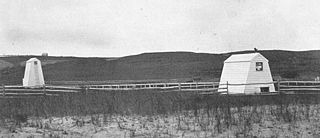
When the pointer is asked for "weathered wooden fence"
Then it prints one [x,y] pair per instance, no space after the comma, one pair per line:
[300,86]
[14,90]
[162,86]
[201,87]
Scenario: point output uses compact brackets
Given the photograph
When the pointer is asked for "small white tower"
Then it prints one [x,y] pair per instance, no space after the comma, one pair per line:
[251,73]
[33,76]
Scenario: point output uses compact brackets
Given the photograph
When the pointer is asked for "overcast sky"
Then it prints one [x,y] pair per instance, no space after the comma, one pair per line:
[113,28]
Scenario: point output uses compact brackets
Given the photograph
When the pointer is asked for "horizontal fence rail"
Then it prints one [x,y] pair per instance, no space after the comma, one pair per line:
[13,90]
[161,86]
[300,86]
[201,87]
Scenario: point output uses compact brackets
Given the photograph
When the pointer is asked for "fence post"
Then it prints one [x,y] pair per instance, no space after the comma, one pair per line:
[229,108]
[44,90]
[278,82]
[3,90]
[227,88]
[86,89]
[196,85]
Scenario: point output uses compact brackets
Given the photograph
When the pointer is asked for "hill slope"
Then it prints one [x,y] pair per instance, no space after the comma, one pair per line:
[168,65]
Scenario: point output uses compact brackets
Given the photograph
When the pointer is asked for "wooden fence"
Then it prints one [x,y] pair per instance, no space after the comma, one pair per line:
[14,91]
[300,86]
[162,86]
[201,87]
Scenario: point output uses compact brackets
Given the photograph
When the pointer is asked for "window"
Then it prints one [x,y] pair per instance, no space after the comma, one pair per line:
[264,89]
[35,62]
[259,66]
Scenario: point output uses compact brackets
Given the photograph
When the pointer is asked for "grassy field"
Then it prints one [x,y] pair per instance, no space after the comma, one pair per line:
[152,114]
[186,66]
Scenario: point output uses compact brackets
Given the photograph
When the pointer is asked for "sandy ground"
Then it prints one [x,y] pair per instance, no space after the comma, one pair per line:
[266,123]
[150,126]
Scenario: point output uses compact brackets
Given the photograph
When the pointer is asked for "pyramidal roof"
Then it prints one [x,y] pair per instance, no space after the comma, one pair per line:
[33,59]
[243,57]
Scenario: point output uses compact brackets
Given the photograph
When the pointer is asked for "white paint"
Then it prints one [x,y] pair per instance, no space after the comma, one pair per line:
[241,69]
[33,76]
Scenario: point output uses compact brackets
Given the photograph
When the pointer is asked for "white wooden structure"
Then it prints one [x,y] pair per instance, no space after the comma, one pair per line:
[246,73]
[33,76]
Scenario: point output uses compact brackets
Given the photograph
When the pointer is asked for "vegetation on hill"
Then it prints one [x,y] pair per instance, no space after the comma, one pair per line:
[291,65]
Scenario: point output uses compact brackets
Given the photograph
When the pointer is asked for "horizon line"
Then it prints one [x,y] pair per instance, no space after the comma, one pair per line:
[155,52]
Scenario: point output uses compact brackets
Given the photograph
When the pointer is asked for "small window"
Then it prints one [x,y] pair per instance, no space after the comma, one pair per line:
[35,62]
[259,66]
[264,89]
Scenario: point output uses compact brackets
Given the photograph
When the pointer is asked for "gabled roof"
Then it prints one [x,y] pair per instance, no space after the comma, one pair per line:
[244,57]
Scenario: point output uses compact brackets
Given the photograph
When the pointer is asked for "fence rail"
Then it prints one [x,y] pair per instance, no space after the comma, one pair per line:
[201,87]
[164,86]
[300,86]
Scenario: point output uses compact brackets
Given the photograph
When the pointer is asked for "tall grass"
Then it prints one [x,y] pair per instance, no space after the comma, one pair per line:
[216,113]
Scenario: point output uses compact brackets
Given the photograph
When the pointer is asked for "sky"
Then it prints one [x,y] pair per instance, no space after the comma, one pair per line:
[115,28]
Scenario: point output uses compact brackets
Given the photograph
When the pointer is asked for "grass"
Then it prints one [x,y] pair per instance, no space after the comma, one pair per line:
[143,102]
[191,113]
[164,66]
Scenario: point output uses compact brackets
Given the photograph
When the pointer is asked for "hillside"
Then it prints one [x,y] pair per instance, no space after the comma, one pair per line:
[304,65]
